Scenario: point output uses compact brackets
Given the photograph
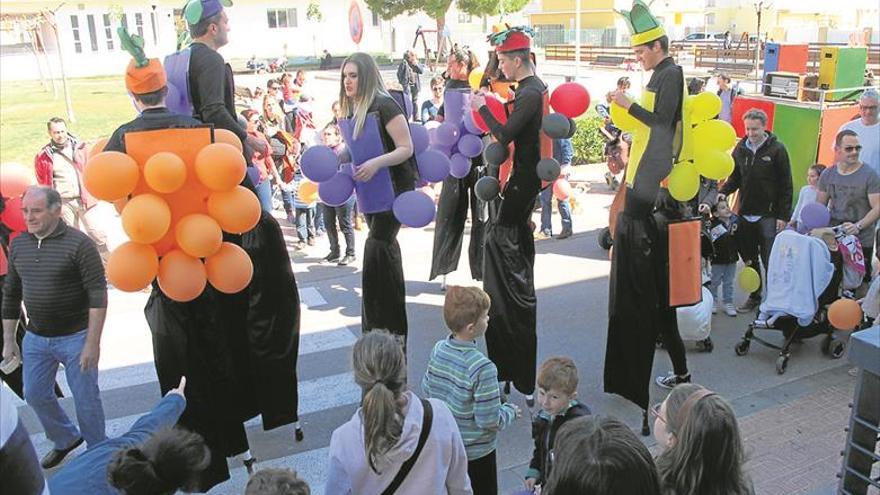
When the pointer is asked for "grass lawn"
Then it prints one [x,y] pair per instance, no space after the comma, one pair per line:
[100,105]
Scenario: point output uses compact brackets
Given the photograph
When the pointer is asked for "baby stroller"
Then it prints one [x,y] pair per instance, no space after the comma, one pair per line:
[803,279]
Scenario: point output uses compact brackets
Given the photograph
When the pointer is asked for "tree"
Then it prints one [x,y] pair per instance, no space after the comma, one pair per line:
[313,13]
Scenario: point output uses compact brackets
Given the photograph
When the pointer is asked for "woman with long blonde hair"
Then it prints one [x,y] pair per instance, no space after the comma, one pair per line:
[364,101]
[393,426]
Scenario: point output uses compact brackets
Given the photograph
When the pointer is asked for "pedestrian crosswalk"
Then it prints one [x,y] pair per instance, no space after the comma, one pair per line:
[328,396]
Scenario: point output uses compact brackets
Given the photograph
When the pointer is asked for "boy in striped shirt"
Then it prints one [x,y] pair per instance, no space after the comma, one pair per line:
[467,381]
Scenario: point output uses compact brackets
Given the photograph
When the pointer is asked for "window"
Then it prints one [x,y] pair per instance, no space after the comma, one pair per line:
[108,32]
[93,34]
[74,27]
[375,19]
[710,19]
[124,21]
[281,18]
[139,24]
[710,4]
[464,18]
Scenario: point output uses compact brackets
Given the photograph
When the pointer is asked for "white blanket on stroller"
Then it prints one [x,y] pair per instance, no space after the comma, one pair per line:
[800,270]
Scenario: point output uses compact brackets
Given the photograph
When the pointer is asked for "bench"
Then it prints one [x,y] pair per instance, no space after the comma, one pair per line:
[608,60]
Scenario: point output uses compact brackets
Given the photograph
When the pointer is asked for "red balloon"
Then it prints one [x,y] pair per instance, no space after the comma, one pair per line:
[496,107]
[12,216]
[570,99]
[561,189]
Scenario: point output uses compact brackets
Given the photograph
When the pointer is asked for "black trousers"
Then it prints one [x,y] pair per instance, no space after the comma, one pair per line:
[384,290]
[344,215]
[483,473]
[755,241]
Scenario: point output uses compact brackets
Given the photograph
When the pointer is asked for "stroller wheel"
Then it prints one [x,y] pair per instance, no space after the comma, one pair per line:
[781,364]
[836,349]
[706,345]
[826,345]
[742,348]
[605,240]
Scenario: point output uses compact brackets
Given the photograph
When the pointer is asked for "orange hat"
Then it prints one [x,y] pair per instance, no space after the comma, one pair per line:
[146,79]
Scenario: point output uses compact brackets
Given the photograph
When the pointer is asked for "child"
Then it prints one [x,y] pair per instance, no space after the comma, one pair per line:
[305,213]
[276,482]
[341,213]
[807,194]
[557,389]
[724,224]
[467,381]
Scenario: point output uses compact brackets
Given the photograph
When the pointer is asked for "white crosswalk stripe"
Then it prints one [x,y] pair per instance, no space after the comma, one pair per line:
[317,394]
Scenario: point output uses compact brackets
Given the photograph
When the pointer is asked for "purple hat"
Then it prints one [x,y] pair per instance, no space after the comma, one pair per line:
[197,10]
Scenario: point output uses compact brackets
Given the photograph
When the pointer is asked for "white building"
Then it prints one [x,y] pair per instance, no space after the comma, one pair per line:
[267,29]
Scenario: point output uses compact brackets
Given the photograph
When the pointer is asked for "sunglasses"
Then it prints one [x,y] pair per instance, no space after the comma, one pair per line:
[655,411]
[850,149]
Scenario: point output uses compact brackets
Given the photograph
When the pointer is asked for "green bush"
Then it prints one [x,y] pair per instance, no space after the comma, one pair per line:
[588,142]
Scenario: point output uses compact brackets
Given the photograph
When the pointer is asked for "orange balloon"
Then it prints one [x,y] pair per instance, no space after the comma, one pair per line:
[236,211]
[15,179]
[167,243]
[98,146]
[181,277]
[220,166]
[228,137]
[165,172]
[119,204]
[307,192]
[146,218]
[132,266]
[111,175]
[844,314]
[229,270]
[198,235]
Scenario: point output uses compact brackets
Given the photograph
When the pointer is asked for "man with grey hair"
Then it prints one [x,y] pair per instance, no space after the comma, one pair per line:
[867,128]
[56,271]
[762,175]
[409,76]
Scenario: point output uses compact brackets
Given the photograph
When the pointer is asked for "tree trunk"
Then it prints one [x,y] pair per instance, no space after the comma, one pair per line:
[441,24]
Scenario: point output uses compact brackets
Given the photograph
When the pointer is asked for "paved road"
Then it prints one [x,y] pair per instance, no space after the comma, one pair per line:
[571,278]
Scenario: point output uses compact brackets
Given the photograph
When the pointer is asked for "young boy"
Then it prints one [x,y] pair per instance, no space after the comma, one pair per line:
[557,389]
[467,381]
[723,230]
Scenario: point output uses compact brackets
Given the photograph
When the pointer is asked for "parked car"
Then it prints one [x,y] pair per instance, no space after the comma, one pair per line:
[704,38]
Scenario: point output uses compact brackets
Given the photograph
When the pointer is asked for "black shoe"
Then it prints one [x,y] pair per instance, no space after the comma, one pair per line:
[249,465]
[347,260]
[671,380]
[55,456]
[530,400]
[331,258]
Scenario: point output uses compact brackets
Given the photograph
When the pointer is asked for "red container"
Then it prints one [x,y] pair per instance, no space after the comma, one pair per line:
[793,58]
[743,104]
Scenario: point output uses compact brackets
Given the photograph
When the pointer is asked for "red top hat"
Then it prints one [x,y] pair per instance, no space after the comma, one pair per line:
[515,41]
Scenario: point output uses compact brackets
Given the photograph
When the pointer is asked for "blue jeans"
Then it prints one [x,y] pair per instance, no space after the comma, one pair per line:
[723,275]
[547,211]
[40,359]
[305,223]
[264,194]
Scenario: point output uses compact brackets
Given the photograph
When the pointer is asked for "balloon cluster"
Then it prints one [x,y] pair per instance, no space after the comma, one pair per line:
[14,180]
[174,212]
[706,143]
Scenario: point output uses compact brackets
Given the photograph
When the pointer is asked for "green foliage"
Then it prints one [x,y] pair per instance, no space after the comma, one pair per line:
[313,12]
[388,9]
[588,142]
[491,7]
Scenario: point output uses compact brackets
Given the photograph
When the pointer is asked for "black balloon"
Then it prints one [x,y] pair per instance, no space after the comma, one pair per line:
[556,125]
[573,127]
[495,154]
[487,188]
[548,169]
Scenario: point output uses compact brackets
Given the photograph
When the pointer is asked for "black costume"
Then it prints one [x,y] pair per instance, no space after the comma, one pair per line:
[238,351]
[212,89]
[509,258]
[384,289]
[638,306]
[452,209]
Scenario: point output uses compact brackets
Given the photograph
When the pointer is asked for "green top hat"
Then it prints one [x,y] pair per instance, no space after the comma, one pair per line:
[642,24]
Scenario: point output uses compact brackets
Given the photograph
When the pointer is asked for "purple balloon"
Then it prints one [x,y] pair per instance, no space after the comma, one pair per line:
[447,134]
[337,190]
[459,166]
[319,163]
[444,150]
[414,209]
[420,137]
[815,216]
[470,145]
[470,125]
[433,165]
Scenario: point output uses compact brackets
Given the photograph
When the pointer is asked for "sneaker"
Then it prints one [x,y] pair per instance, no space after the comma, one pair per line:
[540,236]
[347,260]
[729,310]
[671,380]
[331,258]
[749,305]
[565,234]
[55,456]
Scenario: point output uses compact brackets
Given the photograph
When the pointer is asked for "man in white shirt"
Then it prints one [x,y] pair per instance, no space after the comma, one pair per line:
[867,127]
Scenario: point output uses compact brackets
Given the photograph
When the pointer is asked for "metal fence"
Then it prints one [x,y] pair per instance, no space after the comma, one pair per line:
[556,35]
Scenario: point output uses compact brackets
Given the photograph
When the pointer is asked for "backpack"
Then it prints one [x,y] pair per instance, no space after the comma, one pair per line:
[179,100]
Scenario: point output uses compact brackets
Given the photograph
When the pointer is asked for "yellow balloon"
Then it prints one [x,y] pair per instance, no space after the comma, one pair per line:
[712,163]
[474,78]
[622,119]
[715,134]
[704,106]
[749,280]
[684,181]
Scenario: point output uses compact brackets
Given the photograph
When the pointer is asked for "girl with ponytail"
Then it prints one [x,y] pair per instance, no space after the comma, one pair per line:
[392,429]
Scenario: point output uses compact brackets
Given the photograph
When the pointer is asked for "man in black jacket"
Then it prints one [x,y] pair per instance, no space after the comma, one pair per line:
[762,175]
[408,75]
